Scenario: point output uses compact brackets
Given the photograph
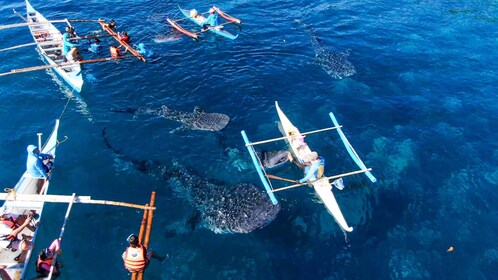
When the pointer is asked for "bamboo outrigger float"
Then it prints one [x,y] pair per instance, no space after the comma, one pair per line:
[300,150]
[48,40]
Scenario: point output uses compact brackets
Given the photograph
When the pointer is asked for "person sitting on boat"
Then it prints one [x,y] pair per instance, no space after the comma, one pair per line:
[46,257]
[211,20]
[38,164]
[135,257]
[313,166]
[69,49]
[95,46]
[9,232]
[124,38]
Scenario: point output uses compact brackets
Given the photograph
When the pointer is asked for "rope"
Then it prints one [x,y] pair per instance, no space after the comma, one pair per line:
[10,191]
[67,103]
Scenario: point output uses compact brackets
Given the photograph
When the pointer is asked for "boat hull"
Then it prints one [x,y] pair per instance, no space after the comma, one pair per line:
[49,45]
[323,188]
[26,185]
[200,19]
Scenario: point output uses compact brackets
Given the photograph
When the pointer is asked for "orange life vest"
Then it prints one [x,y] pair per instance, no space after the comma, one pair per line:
[11,222]
[39,267]
[135,258]
[114,51]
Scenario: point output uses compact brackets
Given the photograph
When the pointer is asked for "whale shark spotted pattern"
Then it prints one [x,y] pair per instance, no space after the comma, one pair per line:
[196,120]
[335,63]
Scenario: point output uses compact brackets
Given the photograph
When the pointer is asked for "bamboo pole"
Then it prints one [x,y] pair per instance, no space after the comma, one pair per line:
[18,46]
[62,65]
[30,24]
[140,236]
[287,137]
[150,215]
[322,179]
[67,199]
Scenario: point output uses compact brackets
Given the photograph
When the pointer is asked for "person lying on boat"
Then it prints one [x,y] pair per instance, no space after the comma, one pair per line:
[313,166]
[46,257]
[38,164]
[4,275]
[9,232]
[211,20]
[135,257]
[69,49]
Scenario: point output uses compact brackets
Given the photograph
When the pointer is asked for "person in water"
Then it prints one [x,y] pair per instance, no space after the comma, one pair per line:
[135,257]
[69,49]
[46,258]
[211,20]
[124,38]
[95,46]
[313,167]
[38,164]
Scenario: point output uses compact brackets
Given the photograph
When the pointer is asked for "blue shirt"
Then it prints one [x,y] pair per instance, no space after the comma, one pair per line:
[34,163]
[312,171]
[66,44]
[212,20]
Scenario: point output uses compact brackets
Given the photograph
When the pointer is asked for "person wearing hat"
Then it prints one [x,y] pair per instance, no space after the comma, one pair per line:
[313,166]
[95,46]
[46,257]
[38,164]
[135,257]
[211,20]
[69,49]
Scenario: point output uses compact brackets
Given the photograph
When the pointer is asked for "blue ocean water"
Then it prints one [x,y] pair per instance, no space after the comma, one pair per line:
[421,110]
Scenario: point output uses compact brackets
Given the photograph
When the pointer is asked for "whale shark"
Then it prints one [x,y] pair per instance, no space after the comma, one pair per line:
[196,120]
[335,63]
[237,208]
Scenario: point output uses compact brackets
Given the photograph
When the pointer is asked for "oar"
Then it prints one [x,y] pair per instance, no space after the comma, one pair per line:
[280,178]
[54,260]
[326,178]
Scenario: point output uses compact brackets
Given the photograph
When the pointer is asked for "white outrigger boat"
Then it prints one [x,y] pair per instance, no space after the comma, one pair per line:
[48,40]
[49,43]
[300,151]
[16,261]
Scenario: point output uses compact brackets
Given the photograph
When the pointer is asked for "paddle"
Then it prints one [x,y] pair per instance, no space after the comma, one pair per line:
[280,178]
[54,260]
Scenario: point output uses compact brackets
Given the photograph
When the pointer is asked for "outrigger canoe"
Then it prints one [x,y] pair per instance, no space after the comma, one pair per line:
[199,19]
[16,262]
[322,186]
[49,43]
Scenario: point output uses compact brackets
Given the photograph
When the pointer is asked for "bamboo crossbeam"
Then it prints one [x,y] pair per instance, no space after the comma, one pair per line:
[68,199]
[287,137]
[30,24]
[62,65]
[322,179]
[18,46]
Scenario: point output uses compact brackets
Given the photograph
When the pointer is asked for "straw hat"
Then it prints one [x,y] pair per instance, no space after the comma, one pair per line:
[311,156]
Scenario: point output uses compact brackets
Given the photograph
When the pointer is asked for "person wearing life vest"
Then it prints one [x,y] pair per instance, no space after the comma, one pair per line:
[313,166]
[9,230]
[115,52]
[46,257]
[135,257]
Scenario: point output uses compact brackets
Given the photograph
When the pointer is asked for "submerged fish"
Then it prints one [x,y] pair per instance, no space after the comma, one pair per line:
[272,159]
[335,63]
[239,208]
[196,120]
